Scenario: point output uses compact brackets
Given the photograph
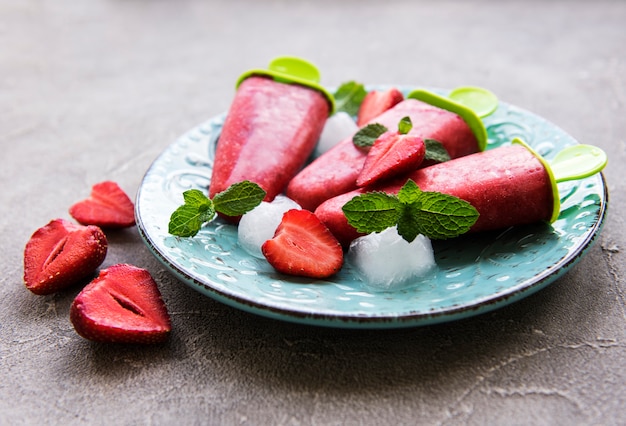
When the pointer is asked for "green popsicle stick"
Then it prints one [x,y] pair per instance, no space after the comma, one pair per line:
[556,198]
[481,101]
[292,70]
[292,66]
[578,162]
[472,119]
[572,163]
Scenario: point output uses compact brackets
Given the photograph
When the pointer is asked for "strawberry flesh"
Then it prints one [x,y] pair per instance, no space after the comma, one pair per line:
[108,207]
[391,155]
[60,254]
[122,305]
[303,246]
[377,102]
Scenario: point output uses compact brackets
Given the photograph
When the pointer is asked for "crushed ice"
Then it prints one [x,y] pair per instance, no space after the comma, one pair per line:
[259,224]
[385,261]
[338,127]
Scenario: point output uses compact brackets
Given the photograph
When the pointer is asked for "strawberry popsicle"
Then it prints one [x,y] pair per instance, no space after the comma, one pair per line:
[271,128]
[336,171]
[508,186]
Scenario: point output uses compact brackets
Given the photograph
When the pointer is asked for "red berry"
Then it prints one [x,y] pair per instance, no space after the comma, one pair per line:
[375,103]
[61,254]
[122,305]
[391,155]
[108,207]
[303,246]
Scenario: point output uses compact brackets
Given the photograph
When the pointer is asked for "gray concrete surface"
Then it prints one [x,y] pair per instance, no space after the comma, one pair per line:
[95,90]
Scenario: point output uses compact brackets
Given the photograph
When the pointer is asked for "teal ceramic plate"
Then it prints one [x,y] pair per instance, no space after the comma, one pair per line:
[476,274]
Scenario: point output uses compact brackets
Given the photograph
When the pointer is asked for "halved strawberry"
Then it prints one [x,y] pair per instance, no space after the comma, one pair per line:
[391,155]
[122,305]
[108,207]
[61,254]
[377,102]
[303,246]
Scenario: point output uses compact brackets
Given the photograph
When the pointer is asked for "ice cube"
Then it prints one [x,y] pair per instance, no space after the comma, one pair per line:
[386,261]
[259,224]
[338,127]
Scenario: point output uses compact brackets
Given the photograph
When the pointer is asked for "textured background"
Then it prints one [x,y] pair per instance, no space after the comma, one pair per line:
[95,90]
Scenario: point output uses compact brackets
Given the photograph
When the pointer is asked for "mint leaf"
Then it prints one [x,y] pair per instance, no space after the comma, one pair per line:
[187,219]
[198,209]
[412,211]
[372,211]
[443,216]
[366,136]
[435,151]
[349,96]
[196,197]
[239,198]
[405,125]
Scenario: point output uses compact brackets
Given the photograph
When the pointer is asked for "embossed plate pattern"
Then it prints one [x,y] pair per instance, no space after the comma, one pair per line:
[476,274]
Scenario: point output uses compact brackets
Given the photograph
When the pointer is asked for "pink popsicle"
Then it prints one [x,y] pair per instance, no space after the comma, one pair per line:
[269,132]
[336,171]
[508,186]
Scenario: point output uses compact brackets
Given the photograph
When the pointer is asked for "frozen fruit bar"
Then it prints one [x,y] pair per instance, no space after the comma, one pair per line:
[270,130]
[508,186]
[336,171]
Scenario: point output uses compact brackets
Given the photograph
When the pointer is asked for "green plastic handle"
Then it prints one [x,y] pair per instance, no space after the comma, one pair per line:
[481,101]
[292,70]
[295,67]
[571,163]
[578,162]
[468,115]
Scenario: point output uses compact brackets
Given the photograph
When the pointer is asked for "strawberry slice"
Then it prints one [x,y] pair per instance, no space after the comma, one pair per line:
[122,305]
[108,207]
[61,254]
[391,155]
[303,246]
[377,102]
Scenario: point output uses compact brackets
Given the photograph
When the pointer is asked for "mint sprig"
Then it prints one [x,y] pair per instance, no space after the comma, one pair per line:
[413,211]
[198,209]
[349,96]
[187,220]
